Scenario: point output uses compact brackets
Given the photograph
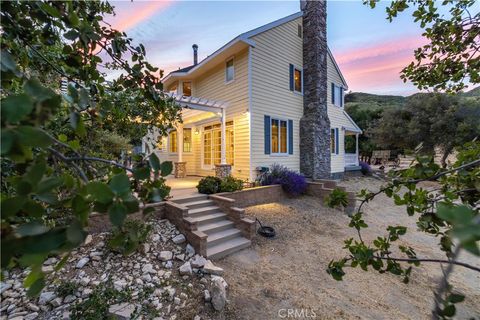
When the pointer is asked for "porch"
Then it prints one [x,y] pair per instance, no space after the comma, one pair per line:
[183,187]
[351,159]
[200,145]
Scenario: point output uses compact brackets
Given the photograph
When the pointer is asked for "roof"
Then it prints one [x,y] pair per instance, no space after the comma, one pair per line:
[354,127]
[246,39]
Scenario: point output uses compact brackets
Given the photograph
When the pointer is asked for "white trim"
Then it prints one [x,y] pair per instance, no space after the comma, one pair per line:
[249,76]
[279,154]
[353,122]
[337,68]
[271,25]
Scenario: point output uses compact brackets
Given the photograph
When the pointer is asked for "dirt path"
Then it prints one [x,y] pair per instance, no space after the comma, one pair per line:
[288,272]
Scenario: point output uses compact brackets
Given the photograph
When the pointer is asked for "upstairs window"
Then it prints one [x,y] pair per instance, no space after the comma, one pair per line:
[337,95]
[187,88]
[229,70]
[296,79]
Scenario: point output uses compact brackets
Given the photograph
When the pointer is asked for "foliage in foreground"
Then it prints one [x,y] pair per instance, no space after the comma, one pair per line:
[127,238]
[211,185]
[55,176]
[450,212]
[450,55]
[337,198]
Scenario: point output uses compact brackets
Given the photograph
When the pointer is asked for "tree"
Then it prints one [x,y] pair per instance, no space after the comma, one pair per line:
[433,120]
[452,56]
[51,168]
[450,210]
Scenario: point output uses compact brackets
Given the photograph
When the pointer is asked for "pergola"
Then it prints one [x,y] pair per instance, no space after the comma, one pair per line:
[192,107]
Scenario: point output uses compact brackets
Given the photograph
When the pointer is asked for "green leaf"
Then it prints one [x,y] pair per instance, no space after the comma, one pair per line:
[100,192]
[456,298]
[31,229]
[35,172]
[120,184]
[12,205]
[8,64]
[49,184]
[449,311]
[80,208]
[154,162]
[34,209]
[61,263]
[71,35]
[117,213]
[166,168]
[16,107]
[75,233]
[8,139]
[49,9]
[36,287]
[141,173]
[34,137]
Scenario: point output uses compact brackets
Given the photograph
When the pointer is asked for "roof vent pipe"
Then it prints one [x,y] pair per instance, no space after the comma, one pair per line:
[195,54]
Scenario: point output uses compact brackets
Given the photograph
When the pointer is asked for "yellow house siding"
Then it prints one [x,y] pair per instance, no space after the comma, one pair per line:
[274,51]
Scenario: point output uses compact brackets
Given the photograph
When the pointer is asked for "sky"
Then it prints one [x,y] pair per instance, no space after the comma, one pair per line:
[369,50]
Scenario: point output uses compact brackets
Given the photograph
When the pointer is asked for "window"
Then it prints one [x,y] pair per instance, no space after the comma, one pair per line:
[187,88]
[229,71]
[187,140]
[337,95]
[300,32]
[212,144]
[279,136]
[172,137]
[173,88]
[296,79]
[334,141]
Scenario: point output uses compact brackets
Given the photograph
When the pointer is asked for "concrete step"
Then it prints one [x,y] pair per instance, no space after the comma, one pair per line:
[216,226]
[209,218]
[198,204]
[203,211]
[221,236]
[186,199]
[225,248]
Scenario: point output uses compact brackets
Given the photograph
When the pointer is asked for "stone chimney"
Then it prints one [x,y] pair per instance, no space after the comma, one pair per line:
[314,124]
[195,54]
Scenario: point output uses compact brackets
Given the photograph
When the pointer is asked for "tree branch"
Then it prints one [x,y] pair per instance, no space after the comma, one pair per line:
[451,262]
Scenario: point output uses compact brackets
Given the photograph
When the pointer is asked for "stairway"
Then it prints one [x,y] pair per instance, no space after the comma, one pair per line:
[223,238]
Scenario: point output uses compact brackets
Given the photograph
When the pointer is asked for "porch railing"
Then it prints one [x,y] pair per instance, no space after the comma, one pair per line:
[351,159]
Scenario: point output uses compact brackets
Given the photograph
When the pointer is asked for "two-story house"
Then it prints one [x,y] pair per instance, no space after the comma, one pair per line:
[243,105]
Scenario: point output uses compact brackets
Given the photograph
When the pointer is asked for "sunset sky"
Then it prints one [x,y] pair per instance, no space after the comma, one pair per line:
[370,50]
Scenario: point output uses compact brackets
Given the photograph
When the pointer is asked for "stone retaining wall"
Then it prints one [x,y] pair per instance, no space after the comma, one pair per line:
[254,196]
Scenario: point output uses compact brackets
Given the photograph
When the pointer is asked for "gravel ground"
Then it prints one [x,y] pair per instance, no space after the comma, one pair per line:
[288,272]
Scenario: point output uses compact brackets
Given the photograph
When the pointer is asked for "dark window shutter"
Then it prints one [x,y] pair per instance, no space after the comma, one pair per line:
[291,76]
[333,93]
[336,140]
[267,134]
[290,136]
[341,96]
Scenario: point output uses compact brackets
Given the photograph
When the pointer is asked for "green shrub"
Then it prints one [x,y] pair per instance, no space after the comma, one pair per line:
[230,184]
[97,304]
[209,185]
[337,198]
[67,288]
[126,239]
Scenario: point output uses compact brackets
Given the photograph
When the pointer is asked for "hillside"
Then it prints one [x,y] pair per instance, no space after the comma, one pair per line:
[368,101]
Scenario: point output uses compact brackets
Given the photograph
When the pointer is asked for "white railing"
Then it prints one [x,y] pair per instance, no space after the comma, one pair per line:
[351,159]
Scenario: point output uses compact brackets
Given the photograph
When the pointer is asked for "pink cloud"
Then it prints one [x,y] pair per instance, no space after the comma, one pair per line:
[130,14]
[379,64]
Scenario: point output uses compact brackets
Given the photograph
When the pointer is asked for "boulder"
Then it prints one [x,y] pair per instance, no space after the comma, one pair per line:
[186,268]
[189,250]
[82,262]
[206,296]
[88,239]
[121,311]
[179,239]
[198,261]
[219,295]
[165,255]
[46,297]
[210,268]
[148,268]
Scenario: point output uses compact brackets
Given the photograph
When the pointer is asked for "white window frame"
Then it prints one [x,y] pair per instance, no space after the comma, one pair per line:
[295,68]
[339,95]
[226,68]
[202,146]
[191,139]
[279,154]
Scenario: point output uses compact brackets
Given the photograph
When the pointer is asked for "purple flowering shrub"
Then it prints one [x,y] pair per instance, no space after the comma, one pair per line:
[365,168]
[294,183]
